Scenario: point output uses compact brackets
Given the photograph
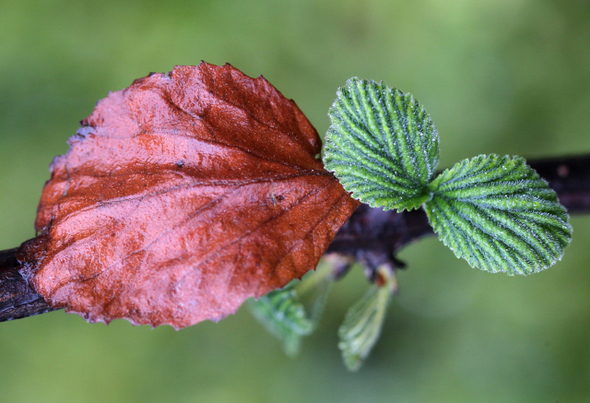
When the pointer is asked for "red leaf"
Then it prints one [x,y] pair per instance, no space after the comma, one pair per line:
[180,197]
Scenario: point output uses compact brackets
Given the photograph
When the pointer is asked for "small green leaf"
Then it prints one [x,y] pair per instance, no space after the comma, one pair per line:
[499,215]
[382,145]
[281,313]
[295,310]
[362,324]
[313,291]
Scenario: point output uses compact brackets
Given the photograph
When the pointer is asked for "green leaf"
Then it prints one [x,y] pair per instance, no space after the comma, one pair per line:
[382,145]
[313,291]
[281,313]
[499,215]
[362,324]
[295,310]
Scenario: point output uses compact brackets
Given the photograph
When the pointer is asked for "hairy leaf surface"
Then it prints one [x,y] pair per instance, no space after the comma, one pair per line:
[182,196]
[499,215]
[382,145]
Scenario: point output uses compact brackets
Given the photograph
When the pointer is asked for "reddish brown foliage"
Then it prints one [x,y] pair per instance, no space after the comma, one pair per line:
[180,197]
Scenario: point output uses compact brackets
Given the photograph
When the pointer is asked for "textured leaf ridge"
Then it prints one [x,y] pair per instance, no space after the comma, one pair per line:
[382,145]
[499,215]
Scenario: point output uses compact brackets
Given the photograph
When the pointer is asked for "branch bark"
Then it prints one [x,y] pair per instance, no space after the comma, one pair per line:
[371,235]
[17,298]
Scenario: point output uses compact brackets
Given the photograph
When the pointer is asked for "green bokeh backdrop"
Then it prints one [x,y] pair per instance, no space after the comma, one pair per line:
[504,76]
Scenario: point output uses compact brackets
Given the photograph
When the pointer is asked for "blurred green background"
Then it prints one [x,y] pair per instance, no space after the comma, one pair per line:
[504,76]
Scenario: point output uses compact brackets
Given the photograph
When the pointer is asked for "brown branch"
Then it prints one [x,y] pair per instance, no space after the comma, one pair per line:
[17,299]
[371,235]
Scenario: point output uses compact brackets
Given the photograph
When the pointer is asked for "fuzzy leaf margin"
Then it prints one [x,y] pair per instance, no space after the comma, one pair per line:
[381,145]
[499,214]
